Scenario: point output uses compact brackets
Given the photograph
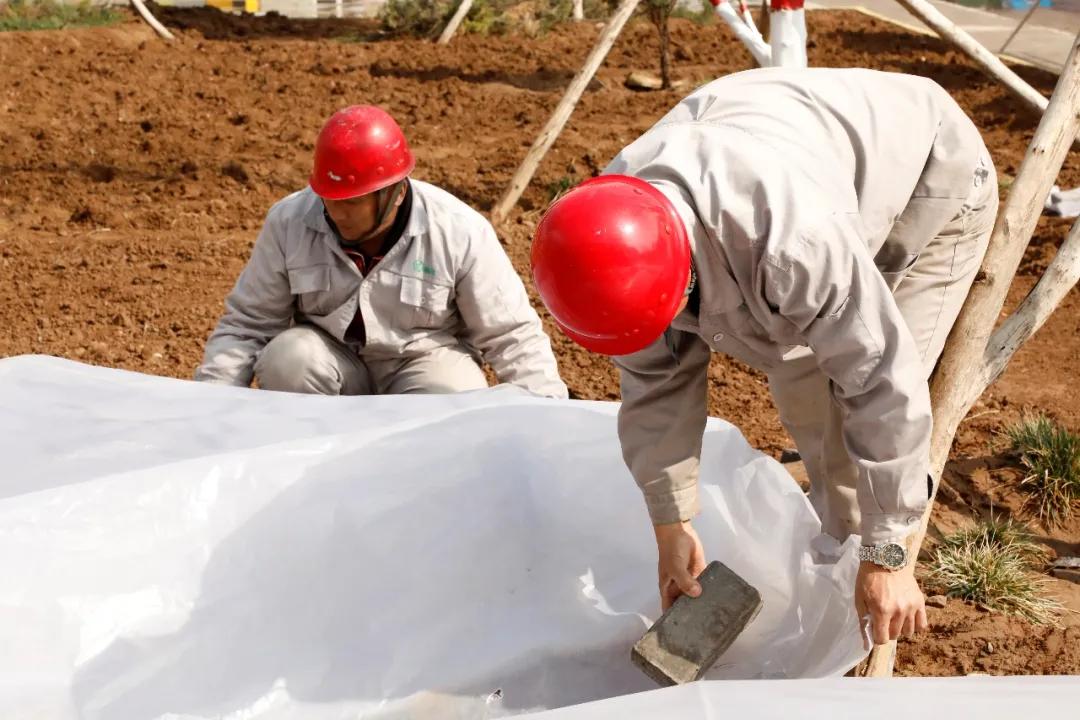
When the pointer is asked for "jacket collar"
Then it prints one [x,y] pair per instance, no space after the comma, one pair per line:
[716,285]
[417,224]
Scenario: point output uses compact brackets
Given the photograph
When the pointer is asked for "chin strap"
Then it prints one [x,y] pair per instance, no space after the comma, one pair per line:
[692,282]
[385,202]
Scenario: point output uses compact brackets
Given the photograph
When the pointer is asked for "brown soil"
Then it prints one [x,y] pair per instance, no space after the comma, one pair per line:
[135,175]
[964,640]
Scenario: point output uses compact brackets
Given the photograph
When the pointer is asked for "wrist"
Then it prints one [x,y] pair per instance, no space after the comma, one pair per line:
[890,555]
[662,530]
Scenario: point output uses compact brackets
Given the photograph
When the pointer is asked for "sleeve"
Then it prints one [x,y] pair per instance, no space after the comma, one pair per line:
[662,420]
[832,292]
[259,307]
[499,321]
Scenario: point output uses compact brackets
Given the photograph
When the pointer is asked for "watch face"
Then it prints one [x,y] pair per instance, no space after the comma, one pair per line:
[893,555]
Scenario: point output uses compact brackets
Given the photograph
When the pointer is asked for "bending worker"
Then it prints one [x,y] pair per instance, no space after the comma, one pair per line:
[821,225]
[370,282]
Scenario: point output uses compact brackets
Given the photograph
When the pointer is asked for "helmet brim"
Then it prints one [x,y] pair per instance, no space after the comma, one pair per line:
[342,191]
[615,346]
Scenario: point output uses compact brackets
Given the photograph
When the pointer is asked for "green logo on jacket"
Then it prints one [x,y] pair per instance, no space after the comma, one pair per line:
[420,267]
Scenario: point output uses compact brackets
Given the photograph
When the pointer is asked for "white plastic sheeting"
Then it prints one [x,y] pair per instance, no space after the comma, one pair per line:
[179,550]
[975,698]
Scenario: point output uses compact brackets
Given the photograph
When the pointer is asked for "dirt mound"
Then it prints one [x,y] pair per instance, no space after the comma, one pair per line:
[136,174]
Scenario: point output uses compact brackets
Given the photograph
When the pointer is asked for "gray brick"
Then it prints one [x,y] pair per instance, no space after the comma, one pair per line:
[695,632]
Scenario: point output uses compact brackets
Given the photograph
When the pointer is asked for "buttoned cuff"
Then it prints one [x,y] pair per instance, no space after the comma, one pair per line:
[890,527]
[673,506]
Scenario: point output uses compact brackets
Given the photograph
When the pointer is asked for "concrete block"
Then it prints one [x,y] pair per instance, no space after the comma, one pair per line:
[695,632]
[1066,568]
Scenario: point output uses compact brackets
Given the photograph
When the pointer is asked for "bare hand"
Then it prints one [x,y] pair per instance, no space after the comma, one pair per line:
[893,601]
[681,560]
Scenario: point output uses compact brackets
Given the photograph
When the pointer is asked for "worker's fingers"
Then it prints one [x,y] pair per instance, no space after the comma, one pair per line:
[921,623]
[896,622]
[686,582]
[665,599]
[680,559]
[697,565]
[669,593]
[677,581]
[908,629]
[880,624]
[697,559]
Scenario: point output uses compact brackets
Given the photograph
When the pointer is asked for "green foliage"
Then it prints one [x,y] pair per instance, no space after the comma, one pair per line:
[554,12]
[52,15]
[1050,457]
[994,564]
[427,18]
[560,187]
[704,15]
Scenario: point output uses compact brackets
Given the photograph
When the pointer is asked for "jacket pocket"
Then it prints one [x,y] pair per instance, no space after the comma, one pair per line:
[846,347]
[311,287]
[429,302]
[895,275]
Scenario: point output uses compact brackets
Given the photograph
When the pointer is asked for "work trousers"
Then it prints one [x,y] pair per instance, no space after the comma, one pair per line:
[305,359]
[929,296]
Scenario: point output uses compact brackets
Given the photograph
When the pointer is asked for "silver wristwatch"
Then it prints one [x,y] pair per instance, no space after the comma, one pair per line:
[890,555]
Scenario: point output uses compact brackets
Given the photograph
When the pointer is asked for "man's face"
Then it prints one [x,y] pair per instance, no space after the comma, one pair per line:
[355,217]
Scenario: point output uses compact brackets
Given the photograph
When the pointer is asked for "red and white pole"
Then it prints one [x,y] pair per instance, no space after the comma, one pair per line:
[787,33]
[744,29]
[744,10]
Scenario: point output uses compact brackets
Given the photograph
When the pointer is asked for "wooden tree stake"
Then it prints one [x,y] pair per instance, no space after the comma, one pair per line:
[990,63]
[1059,278]
[970,361]
[554,126]
[455,21]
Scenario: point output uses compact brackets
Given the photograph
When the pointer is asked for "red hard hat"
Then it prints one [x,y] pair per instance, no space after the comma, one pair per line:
[360,150]
[611,261]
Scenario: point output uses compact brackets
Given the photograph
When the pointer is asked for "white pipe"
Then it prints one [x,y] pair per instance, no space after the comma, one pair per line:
[152,21]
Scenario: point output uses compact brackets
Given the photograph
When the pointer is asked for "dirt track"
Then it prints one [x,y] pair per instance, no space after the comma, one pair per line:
[135,176]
